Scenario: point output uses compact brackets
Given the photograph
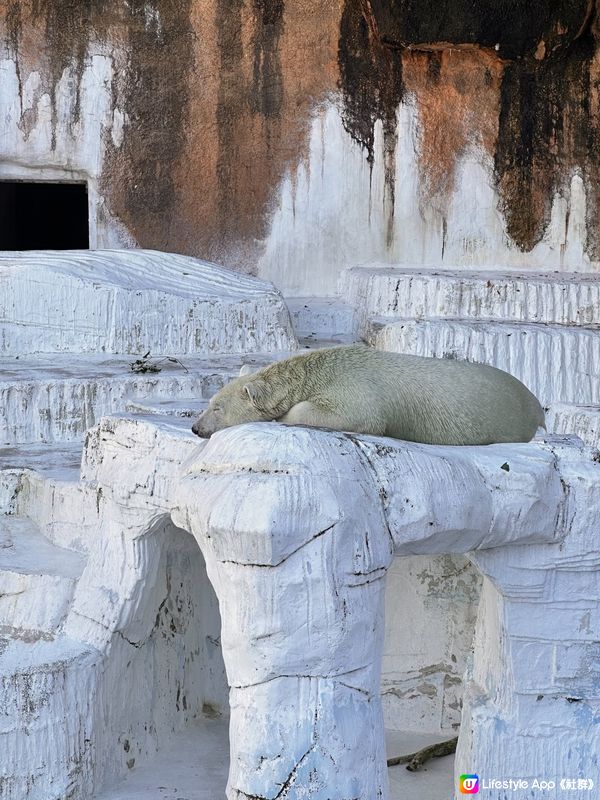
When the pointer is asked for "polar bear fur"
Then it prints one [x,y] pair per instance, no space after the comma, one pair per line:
[359,389]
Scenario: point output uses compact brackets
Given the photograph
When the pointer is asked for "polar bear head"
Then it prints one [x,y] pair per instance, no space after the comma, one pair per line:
[249,398]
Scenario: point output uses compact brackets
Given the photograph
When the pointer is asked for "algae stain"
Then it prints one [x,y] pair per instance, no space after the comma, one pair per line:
[547,125]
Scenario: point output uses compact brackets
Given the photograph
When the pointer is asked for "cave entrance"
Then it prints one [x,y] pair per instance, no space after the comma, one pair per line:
[43,216]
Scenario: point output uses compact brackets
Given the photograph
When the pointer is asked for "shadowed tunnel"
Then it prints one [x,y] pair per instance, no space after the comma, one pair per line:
[43,216]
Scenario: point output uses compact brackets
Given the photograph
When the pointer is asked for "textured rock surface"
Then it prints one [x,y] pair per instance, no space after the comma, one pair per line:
[131,464]
[394,291]
[539,327]
[135,301]
[582,420]
[538,623]
[134,653]
[298,529]
[56,398]
[509,495]
[37,579]
[196,762]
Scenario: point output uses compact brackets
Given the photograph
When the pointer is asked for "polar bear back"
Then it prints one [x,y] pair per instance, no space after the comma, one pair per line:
[430,400]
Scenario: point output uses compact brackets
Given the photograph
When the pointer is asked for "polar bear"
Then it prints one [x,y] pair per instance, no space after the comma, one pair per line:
[360,389]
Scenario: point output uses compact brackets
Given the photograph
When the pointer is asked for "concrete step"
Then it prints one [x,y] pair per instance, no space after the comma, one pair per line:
[134,301]
[46,707]
[186,409]
[194,766]
[37,579]
[41,482]
[322,320]
[57,398]
[584,421]
[555,298]
[59,460]
[558,363]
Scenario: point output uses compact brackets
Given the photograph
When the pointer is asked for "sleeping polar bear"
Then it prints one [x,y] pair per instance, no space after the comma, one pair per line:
[359,389]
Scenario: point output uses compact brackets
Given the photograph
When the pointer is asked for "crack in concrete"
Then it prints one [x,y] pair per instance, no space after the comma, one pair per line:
[332,677]
[285,558]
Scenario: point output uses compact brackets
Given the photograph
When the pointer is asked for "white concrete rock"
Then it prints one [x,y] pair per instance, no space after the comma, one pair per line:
[37,578]
[508,494]
[393,291]
[526,323]
[532,696]
[135,654]
[323,319]
[298,528]
[135,301]
[584,421]
[56,398]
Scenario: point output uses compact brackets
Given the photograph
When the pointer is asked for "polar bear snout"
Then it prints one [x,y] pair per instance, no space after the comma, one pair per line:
[200,429]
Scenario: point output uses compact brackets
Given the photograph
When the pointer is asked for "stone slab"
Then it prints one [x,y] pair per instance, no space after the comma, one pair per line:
[56,398]
[134,301]
[37,578]
[582,420]
[390,291]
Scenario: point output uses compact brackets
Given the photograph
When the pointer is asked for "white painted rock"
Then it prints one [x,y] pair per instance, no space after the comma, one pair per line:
[135,301]
[532,691]
[582,420]
[298,528]
[394,291]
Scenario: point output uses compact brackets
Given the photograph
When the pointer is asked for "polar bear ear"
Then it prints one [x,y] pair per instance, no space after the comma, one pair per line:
[258,394]
[247,369]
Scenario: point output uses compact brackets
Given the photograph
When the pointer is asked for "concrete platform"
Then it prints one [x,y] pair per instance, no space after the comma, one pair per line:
[134,301]
[516,296]
[195,765]
[56,398]
[60,460]
[37,577]
[583,420]
[323,320]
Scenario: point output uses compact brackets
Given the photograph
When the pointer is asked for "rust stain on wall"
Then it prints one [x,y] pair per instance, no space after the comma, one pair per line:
[150,43]
[263,65]
[267,80]
[14,27]
[51,36]
[152,89]
[512,28]
[371,87]
[457,97]
[216,100]
[68,26]
[518,77]
[548,127]
[370,75]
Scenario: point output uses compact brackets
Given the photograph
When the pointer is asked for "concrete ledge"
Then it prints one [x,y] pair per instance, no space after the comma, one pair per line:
[134,301]
[517,296]
[298,528]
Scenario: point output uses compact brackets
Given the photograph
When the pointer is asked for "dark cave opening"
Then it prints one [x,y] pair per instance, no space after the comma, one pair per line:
[43,216]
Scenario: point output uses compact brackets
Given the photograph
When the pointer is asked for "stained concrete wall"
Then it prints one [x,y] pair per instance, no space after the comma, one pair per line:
[292,139]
